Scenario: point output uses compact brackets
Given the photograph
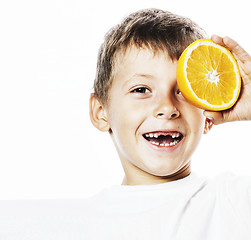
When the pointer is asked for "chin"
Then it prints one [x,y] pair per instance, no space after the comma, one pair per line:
[162,171]
[169,171]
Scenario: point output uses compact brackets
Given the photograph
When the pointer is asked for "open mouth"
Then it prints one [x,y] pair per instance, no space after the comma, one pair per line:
[163,139]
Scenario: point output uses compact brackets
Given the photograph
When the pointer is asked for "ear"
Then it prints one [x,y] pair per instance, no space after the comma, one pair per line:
[208,125]
[98,114]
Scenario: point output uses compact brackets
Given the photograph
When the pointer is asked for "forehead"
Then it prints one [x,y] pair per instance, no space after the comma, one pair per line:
[133,50]
[139,59]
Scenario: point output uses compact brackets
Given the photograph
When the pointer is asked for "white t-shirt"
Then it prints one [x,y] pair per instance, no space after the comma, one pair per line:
[188,209]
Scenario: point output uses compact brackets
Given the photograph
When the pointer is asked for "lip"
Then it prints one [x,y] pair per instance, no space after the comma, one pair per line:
[160,148]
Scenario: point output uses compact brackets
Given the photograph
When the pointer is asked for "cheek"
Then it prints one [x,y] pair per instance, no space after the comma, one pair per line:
[125,114]
[121,124]
[198,123]
[195,120]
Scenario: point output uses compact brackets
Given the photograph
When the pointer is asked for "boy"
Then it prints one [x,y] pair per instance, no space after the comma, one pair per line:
[155,131]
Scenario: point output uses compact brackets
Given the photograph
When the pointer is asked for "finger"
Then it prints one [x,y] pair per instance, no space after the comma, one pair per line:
[217,39]
[242,57]
[233,46]
[236,49]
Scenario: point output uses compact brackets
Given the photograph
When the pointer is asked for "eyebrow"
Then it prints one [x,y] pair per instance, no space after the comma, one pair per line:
[140,75]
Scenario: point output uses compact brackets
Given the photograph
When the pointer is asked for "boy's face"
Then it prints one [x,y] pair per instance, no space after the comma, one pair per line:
[155,130]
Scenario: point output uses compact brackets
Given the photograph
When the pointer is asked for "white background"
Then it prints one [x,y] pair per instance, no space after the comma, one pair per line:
[48,49]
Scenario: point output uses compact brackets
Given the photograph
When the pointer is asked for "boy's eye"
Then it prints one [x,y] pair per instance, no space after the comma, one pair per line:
[140,90]
[178,92]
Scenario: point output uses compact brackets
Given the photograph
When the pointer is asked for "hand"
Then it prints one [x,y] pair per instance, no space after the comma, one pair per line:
[242,109]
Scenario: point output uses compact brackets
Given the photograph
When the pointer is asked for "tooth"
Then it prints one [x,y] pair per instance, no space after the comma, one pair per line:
[155,135]
[151,135]
[162,144]
[147,135]
[175,135]
[155,143]
[166,145]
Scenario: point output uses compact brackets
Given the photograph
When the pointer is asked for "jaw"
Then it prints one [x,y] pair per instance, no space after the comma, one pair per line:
[147,175]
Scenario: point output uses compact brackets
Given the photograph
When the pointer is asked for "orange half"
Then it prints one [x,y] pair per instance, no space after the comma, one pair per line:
[208,76]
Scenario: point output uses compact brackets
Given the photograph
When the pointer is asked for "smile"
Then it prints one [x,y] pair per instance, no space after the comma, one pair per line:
[163,139]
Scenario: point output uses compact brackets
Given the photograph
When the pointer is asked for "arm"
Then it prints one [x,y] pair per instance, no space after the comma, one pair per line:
[242,109]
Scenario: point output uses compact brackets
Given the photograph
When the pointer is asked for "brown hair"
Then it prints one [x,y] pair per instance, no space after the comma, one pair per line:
[151,28]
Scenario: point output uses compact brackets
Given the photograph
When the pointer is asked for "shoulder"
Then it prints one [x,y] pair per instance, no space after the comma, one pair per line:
[236,188]
[231,183]
[43,207]
[235,192]
[226,191]
[41,219]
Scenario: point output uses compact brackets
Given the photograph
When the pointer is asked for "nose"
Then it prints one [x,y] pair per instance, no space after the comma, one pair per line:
[166,109]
